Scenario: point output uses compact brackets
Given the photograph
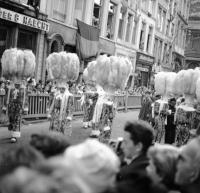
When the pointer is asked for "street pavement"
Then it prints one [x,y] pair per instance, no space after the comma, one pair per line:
[78,133]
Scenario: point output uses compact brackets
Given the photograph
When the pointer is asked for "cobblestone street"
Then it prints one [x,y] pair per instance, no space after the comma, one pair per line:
[78,133]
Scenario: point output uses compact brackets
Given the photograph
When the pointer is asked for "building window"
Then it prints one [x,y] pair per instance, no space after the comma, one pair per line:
[134,31]
[144,5]
[167,27]
[79,10]
[96,13]
[59,9]
[174,11]
[149,39]
[111,20]
[128,27]
[165,53]
[172,30]
[160,50]
[142,36]
[121,23]
[152,7]
[34,3]
[170,6]
[163,21]
[155,50]
[159,18]
[26,40]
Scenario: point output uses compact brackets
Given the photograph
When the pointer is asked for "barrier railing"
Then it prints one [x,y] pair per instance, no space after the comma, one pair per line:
[38,104]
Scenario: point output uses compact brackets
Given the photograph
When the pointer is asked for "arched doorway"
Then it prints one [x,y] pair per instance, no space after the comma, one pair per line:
[56,43]
[54,46]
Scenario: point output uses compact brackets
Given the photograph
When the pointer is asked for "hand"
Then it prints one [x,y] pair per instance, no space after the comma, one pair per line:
[4,109]
[69,118]
[48,116]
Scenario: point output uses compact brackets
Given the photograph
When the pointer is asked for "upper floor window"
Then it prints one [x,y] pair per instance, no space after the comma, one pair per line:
[142,36]
[149,39]
[34,3]
[111,20]
[170,6]
[163,21]
[172,30]
[59,9]
[134,31]
[159,17]
[128,27]
[96,13]
[167,27]
[144,4]
[175,7]
[121,23]
[79,10]
[152,4]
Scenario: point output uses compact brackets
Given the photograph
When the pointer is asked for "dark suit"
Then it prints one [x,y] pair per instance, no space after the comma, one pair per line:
[138,165]
[133,178]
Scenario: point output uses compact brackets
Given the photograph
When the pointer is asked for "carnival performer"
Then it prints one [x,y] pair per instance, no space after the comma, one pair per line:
[61,110]
[88,102]
[90,95]
[145,111]
[62,67]
[111,73]
[17,65]
[186,85]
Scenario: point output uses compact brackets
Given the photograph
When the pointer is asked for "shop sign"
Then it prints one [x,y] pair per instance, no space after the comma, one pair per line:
[143,69]
[23,19]
[145,58]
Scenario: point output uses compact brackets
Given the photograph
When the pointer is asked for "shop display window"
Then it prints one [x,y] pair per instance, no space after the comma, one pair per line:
[26,40]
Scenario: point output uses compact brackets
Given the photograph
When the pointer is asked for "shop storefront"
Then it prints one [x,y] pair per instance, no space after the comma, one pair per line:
[20,28]
[144,64]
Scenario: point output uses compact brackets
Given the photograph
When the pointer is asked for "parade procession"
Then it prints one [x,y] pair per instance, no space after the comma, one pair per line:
[99,96]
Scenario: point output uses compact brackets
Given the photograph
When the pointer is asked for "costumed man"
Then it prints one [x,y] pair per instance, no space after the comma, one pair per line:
[104,114]
[88,102]
[17,65]
[16,104]
[63,68]
[110,74]
[61,110]
[145,111]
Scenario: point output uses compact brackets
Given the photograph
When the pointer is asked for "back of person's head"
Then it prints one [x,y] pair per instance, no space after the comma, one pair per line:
[163,158]
[19,156]
[24,180]
[49,144]
[140,132]
[94,163]
[188,164]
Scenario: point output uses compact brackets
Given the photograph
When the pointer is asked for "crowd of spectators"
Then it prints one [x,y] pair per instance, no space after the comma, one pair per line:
[51,164]
[50,86]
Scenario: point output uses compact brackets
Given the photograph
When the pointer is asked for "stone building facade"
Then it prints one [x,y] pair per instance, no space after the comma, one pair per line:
[192,48]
